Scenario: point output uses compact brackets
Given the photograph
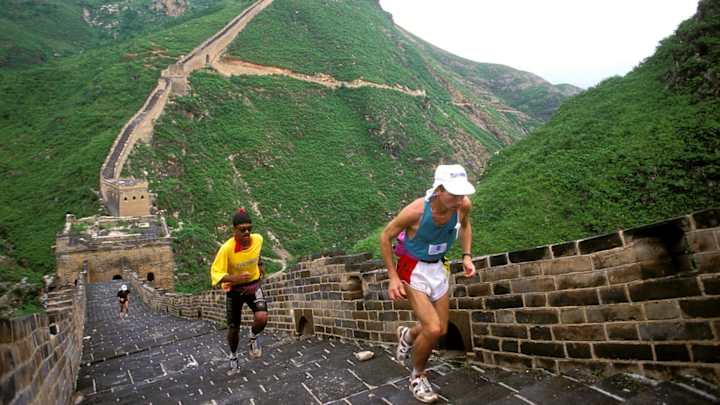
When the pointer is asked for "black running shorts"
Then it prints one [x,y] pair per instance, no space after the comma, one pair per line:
[250,294]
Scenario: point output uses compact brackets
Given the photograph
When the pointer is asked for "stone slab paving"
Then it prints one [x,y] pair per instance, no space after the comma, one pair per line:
[155,358]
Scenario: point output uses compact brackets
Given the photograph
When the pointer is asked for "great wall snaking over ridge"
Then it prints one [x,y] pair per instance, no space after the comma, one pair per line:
[129,196]
[644,301]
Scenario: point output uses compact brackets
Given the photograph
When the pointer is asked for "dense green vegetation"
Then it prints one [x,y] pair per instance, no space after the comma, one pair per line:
[523,91]
[35,32]
[369,46]
[629,151]
[345,39]
[324,166]
[310,158]
[57,122]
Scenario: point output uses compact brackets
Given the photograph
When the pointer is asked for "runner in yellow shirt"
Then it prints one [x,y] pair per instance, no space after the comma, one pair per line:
[239,270]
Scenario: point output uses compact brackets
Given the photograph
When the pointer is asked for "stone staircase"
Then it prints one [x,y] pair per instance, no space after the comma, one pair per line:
[156,358]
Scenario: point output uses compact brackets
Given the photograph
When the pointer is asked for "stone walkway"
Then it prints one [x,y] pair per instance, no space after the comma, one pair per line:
[154,358]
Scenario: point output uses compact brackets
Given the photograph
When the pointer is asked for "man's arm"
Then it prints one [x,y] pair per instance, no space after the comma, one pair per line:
[405,219]
[466,237]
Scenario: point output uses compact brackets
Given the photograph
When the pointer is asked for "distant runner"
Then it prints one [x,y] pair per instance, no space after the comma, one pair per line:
[238,268]
[124,300]
[431,225]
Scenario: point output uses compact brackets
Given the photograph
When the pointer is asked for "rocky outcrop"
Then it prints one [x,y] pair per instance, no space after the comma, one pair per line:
[173,8]
[13,295]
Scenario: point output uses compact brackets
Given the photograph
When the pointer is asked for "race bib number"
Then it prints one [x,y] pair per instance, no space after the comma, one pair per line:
[437,249]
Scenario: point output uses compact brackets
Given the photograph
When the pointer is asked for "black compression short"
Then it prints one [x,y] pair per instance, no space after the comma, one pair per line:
[235,300]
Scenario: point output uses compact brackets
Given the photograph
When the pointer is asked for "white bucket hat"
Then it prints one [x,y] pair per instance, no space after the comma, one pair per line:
[124,287]
[453,178]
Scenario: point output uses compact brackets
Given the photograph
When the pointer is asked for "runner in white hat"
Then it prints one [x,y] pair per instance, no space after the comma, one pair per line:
[431,225]
[124,299]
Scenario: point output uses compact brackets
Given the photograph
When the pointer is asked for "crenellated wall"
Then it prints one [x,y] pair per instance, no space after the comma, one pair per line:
[644,300]
[40,354]
[106,245]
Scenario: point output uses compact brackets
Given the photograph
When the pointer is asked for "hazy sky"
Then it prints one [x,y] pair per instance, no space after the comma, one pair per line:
[580,42]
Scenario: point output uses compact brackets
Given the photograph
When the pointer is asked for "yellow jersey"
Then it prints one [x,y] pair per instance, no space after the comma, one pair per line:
[229,262]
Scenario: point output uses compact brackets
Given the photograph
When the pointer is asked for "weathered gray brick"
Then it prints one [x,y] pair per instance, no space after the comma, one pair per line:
[533,285]
[610,313]
[572,315]
[542,349]
[567,265]
[663,289]
[613,294]
[676,330]
[501,273]
[573,298]
[583,332]
[622,331]
[625,351]
[661,310]
[537,316]
[581,280]
[514,331]
[535,300]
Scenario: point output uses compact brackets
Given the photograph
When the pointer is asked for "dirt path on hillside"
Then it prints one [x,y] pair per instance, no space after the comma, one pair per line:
[233,67]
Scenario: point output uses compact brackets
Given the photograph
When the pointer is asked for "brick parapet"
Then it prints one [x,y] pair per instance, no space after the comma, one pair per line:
[645,300]
[40,353]
[143,244]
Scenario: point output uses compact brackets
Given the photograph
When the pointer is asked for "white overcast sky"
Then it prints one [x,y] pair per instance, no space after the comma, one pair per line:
[580,42]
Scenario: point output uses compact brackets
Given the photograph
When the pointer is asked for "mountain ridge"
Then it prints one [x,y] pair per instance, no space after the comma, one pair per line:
[408,135]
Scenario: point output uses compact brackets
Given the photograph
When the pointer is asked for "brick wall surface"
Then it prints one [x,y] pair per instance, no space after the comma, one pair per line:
[644,300]
[40,354]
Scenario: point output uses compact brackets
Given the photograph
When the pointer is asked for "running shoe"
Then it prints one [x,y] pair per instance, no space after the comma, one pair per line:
[403,349]
[422,390]
[255,350]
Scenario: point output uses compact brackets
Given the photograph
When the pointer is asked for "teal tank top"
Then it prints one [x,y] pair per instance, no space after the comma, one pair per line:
[431,242]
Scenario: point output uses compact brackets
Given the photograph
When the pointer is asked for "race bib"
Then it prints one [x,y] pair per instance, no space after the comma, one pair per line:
[437,249]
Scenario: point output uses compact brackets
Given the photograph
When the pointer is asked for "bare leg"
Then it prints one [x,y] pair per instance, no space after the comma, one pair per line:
[433,318]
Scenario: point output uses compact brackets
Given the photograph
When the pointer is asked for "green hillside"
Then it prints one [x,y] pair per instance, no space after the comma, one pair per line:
[320,167]
[323,166]
[309,158]
[57,123]
[350,40]
[35,32]
[630,151]
[496,84]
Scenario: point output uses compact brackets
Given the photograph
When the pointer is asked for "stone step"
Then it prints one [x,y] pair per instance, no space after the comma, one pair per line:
[668,392]
[466,385]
